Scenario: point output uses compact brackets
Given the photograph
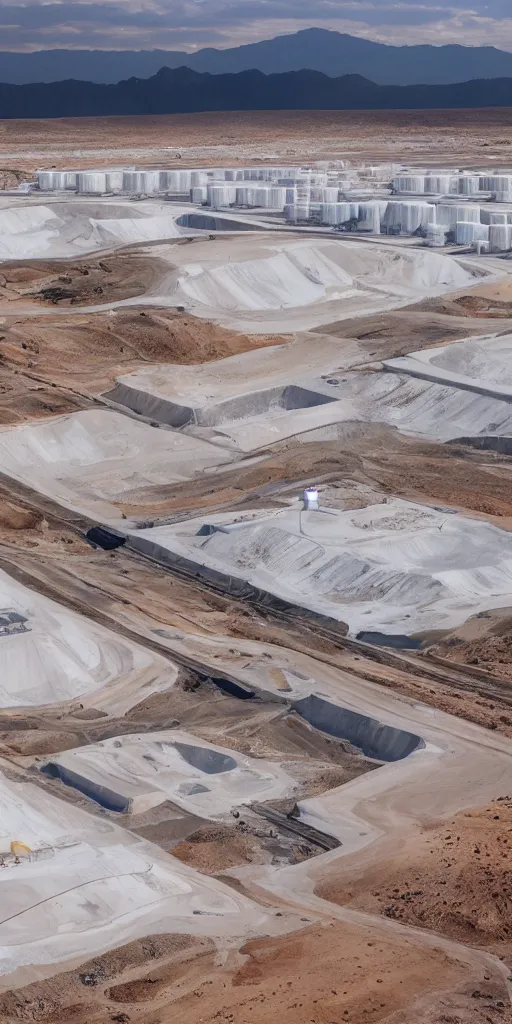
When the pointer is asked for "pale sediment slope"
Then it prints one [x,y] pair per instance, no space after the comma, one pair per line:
[97,460]
[248,419]
[68,228]
[49,655]
[265,280]
[395,567]
[90,885]
[482,363]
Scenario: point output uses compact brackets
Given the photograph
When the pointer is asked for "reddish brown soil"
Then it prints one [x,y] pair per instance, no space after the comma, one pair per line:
[490,650]
[325,974]
[216,849]
[89,281]
[23,526]
[87,351]
[454,879]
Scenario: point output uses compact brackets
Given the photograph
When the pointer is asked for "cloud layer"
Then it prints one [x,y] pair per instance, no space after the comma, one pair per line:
[189,24]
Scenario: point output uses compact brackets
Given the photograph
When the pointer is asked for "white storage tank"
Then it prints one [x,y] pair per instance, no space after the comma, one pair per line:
[468,184]
[412,183]
[469,213]
[198,194]
[449,213]
[500,237]
[467,232]
[92,182]
[276,197]
[406,218]
[370,216]
[198,178]
[438,184]
[311,498]
[329,194]
[219,196]
[114,181]
[436,235]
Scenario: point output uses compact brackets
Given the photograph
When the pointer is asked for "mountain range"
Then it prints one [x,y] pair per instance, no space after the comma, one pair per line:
[181,90]
[333,53]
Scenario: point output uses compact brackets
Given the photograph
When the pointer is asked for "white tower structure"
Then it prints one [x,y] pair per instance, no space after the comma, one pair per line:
[310,498]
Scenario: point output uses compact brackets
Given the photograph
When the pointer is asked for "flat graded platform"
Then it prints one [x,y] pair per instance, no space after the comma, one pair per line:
[89,885]
[50,655]
[396,567]
[98,460]
[256,398]
[136,772]
[224,389]
[482,364]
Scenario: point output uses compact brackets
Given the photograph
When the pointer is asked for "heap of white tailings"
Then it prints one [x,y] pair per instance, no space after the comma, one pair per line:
[73,228]
[51,655]
[287,275]
[396,567]
[482,363]
[89,885]
[98,460]
[144,770]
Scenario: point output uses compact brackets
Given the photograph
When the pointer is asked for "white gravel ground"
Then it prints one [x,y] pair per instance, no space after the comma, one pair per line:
[396,567]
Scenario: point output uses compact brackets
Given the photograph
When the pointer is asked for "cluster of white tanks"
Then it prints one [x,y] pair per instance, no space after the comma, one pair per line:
[444,183]
[128,180]
[206,183]
[472,224]
[450,206]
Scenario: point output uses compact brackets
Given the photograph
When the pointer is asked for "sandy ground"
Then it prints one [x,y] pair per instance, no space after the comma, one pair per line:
[85,353]
[426,137]
[357,977]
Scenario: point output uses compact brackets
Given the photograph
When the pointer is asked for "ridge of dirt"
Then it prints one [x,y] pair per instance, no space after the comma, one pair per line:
[90,350]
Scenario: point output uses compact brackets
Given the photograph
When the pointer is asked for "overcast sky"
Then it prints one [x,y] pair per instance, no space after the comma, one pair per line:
[188,25]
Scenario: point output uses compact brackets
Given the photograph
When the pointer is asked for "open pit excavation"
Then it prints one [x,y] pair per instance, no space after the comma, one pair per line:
[395,568]
[291,285]
[132,774]
[57,230]
[482,364]
[267,282]
[255,506]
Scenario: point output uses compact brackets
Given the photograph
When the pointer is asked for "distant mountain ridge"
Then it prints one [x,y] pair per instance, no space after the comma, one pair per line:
[180,90]
[333,53]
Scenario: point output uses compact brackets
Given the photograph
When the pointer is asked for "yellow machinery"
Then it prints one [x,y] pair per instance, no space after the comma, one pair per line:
[19,849]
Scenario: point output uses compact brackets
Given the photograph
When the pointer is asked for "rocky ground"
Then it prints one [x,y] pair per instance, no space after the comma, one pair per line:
[454,878]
